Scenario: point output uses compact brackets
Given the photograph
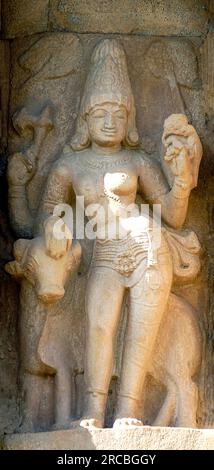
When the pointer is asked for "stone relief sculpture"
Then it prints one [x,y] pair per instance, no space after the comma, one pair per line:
[104,165]
[160,54]
[207,72]
[4,93]
[48,276]
[22,166]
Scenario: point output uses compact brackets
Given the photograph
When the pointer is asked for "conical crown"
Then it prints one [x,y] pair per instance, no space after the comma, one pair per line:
[108,79]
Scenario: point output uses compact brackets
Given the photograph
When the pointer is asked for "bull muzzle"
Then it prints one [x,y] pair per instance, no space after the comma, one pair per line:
[50,294]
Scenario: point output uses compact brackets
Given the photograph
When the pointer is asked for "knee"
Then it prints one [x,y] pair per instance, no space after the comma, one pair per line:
[100,330]
[189,388]
[34,366]
[153,291]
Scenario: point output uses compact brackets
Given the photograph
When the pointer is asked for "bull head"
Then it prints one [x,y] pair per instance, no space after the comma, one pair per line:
[46,274]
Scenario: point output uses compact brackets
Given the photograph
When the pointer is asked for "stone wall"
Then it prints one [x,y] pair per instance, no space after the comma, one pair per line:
[45,49]
[152,18]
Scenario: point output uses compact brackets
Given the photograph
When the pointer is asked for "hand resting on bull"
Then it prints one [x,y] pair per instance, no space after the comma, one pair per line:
[46,262]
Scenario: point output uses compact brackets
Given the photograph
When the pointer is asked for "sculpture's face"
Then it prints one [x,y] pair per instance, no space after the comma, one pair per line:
[107,124]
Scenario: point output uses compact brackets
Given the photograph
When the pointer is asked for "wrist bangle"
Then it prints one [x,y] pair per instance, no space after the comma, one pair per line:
[16,191]
[180,193]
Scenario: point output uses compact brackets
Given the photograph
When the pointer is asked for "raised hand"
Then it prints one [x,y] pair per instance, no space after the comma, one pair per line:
[178,159]
[183,151]
[58,237]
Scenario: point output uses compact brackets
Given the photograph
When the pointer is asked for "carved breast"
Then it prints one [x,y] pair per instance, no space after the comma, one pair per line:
[98,178]
[121,183]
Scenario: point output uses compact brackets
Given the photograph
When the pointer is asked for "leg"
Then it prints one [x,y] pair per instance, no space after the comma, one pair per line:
[104,298]
[147,305]
[33,371]
[187,403]
[32,389]
[63,397]
[167,411]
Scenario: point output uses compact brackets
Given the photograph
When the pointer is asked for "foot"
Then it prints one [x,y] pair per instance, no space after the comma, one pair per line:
[27,426]
[91,423]
[93,415]
[127,423]
[60,426]
[88,423]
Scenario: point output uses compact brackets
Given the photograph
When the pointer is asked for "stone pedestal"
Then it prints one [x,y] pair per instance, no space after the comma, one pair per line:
[145,438]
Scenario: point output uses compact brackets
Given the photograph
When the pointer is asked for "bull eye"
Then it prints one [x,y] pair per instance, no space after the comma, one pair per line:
[29,271]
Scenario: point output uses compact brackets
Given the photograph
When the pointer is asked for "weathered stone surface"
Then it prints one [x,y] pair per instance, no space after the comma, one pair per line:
[24,17]
[207,70]
[168,75]
[4,92]
[42,77]
[166,17]
[39,72]
[146,438]
[9,295]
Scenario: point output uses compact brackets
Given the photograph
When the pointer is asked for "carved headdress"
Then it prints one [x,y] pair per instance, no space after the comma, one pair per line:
[107,81]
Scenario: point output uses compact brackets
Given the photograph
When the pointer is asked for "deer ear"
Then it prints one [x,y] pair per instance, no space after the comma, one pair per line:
[14,268]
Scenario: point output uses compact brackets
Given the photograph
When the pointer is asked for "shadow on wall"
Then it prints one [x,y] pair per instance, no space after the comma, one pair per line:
[9,301]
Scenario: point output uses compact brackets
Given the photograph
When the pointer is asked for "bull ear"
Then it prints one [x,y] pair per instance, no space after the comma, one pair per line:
[14,268]
[77,252]
[69,265]
[20,247]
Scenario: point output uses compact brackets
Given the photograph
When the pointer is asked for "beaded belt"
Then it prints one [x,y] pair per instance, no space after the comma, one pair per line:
[123,255]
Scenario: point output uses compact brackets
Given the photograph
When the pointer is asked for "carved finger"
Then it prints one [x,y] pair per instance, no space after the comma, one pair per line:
[56,248]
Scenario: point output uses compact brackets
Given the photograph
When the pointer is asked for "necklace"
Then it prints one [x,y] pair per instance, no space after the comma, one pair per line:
[107,161]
